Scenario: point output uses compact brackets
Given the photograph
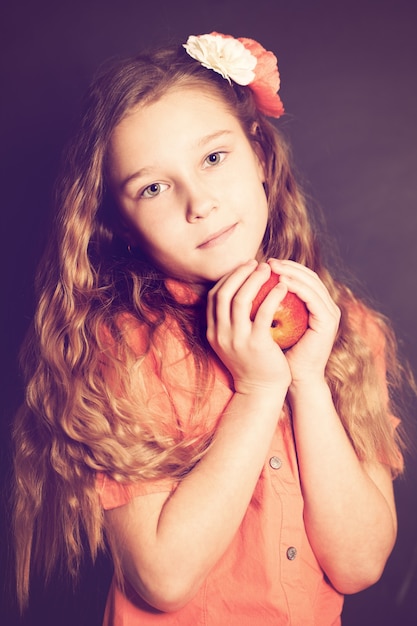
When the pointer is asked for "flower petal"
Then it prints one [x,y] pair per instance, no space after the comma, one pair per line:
[267,80]
[225,55]
[245,62]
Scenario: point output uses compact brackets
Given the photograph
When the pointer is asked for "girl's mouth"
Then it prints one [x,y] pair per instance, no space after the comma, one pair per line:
[219,237]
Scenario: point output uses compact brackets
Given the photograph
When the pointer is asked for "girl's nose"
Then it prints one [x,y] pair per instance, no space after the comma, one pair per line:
[200,202]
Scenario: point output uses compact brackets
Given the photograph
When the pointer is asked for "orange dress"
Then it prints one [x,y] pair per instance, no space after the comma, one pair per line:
[269,574]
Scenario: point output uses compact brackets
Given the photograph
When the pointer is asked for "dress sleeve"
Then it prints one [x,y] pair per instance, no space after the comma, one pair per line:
[170,396]
[366,325]
[113,494]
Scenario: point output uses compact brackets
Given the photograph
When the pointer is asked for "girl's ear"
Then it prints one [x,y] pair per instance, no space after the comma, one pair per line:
[257,148]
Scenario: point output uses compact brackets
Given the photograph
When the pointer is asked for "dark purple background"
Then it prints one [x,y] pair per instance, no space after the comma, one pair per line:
[349,86]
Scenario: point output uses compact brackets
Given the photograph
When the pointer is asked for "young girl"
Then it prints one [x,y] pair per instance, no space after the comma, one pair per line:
[234,482]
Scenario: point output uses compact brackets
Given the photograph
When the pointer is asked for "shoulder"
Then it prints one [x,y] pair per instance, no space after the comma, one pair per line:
[125,329]
[369,326]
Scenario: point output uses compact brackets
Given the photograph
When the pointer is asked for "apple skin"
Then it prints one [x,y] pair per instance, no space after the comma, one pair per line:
[290,320]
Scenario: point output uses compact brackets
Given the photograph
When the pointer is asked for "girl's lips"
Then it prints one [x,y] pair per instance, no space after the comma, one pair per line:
[218,238]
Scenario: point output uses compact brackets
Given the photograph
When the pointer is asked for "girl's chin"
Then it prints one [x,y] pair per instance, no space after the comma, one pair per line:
[202,284]
[229,268]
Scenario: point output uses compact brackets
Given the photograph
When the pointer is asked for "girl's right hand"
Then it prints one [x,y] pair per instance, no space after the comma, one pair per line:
[246,348]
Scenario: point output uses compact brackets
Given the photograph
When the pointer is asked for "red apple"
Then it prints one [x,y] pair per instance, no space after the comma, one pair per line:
[290,320]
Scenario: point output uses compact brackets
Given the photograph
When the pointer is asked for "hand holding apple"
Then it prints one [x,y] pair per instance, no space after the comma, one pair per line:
[290,321]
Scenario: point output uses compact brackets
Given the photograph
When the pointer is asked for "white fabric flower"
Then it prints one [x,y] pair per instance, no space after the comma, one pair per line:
[224,55]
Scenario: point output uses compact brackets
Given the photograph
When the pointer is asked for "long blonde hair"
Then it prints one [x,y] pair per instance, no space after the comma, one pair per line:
[72,423]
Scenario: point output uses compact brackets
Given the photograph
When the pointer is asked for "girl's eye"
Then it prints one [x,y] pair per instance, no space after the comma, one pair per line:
[214,158]
[153,190]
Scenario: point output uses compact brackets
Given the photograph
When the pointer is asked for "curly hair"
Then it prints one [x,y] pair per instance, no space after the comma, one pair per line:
[80,411]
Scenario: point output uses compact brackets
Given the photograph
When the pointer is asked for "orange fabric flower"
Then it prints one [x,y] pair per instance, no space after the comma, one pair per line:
[267,81]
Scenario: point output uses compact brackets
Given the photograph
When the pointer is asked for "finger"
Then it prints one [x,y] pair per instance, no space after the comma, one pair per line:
[293,269]
[267,309]
[242,301]
[295,275]
[233,279]
[309,287]
[220,296]
[239,288]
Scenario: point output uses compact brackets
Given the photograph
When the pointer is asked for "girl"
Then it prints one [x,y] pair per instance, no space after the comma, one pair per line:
[234,483]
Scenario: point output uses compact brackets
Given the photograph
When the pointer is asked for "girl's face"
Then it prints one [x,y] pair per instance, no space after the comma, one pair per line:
[189,185]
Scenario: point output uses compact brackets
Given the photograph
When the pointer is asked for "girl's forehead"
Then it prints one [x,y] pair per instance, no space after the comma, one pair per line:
[181,95]
[182,113]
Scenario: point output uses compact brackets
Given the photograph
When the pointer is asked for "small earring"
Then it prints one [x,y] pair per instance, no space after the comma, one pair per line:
[129,248]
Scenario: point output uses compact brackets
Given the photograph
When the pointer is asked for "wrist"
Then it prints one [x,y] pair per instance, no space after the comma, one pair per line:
[262,398]
[308,387]
[312,401]
[261,391]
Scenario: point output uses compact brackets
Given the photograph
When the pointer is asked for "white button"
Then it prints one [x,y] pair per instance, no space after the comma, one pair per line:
[291,553]
[275,462]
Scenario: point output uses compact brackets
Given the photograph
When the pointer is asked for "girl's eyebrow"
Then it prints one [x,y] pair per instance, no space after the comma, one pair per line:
[200,143]
[142,172]
[207,138]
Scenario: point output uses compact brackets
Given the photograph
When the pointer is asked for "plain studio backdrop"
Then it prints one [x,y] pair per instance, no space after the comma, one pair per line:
[348,74]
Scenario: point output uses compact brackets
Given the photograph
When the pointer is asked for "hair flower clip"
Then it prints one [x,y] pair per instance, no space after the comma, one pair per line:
[243,61]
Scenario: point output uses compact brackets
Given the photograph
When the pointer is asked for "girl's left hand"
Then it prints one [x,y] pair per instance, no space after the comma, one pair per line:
[308,357]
